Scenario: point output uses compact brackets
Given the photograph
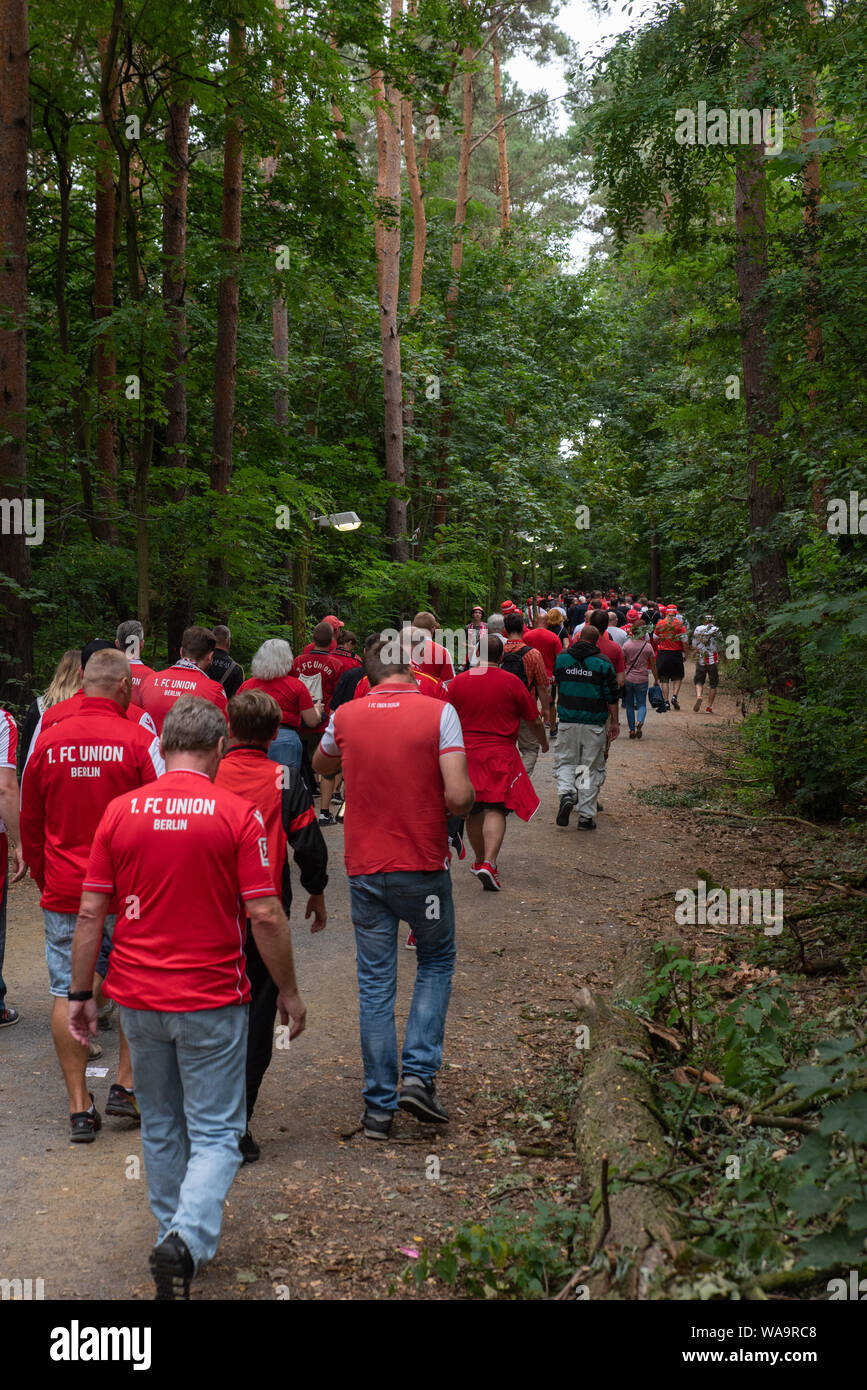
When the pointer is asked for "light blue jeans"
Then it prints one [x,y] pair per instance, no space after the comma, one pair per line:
[378,903]
[286,748]
[189,1082]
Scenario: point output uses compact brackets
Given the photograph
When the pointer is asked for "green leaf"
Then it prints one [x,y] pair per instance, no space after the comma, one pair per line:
[849,1115]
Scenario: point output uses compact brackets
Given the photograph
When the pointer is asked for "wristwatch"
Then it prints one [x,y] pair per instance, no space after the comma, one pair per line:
[78,996]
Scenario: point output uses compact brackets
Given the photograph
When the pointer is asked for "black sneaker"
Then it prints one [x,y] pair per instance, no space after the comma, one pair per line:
[419,1098]
[249,1148]
[326,818]
[675,703]
[85,1124]
[172,1268]
[565,811]
[8,1017]
[376,1126]
[123,1103]
[586,823]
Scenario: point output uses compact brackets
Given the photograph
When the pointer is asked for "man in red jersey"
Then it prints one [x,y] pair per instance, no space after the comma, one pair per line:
[522,659]
[186,676]
[405,771]
[72,705]
[194,858]
[129,639]
[8,828]
[76,768]
[491,704]
[290,820]
[319,669]
[336,624]
[549,644]
[430,656]
[345,652]
[671,640]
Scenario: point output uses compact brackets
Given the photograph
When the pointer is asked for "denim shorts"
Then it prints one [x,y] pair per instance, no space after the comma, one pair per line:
[59,931]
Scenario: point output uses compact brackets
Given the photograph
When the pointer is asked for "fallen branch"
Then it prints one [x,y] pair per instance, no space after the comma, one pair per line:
[606,1209]
[780,1122]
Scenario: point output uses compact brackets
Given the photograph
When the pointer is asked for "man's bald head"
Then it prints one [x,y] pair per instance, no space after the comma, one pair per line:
[107,675]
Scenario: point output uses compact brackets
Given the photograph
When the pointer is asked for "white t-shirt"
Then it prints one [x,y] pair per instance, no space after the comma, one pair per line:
[618,635]
[704,639]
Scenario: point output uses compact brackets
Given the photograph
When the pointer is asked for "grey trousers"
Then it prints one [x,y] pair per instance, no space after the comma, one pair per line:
[579,764]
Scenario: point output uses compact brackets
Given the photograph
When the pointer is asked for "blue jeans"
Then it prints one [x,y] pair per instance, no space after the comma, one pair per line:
[286,748]
[636,703]
[3,939]
[189,1082]
[378,903]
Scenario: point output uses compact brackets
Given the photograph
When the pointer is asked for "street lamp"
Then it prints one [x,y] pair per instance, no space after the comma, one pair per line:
[341,521]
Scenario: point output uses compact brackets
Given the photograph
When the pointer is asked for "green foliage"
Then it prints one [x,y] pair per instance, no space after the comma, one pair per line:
[509,1257]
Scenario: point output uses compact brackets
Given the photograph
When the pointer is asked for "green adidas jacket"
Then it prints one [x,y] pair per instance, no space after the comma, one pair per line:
[586,685]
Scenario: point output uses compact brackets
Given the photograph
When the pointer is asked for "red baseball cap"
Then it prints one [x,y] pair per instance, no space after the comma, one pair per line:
[335,622]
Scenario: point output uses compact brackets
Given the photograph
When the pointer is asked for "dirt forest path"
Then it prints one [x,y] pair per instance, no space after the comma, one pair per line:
[325,1212]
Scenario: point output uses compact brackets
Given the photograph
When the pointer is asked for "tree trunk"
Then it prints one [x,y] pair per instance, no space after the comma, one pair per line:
[419,217]
[227,295]
[387,235]
[176,185]
[505,204]
[103,289]
[79,432]
[16,623]
[815,352]
[778,653]
[440,507]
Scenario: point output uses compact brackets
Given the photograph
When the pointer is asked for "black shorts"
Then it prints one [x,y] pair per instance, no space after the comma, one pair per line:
[669,666]
[490,806]
[711,672]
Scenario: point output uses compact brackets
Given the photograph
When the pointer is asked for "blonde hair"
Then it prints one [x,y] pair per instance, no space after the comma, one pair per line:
[66,679]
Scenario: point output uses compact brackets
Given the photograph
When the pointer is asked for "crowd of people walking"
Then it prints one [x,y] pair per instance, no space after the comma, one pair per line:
[157,811]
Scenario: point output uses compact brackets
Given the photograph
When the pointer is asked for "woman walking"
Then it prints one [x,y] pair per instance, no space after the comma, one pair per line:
[270,672]
[639,659]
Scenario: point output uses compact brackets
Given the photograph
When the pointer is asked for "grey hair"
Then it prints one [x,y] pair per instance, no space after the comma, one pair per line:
[132,628]
[274,658]
[496,623]
[192,725]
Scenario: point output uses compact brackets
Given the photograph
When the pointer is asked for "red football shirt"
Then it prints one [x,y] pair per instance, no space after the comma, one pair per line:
[426,684]
[138,671]
[159,691]
[183,857]
[491,702]
[320,672]
[546,643]
[614,652]
[8,753]
[435,660]
[390,745]
[291,695]
[64,708]
[75,769]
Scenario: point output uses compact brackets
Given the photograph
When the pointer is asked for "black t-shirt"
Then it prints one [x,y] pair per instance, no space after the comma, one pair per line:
[226,671]
[345,687]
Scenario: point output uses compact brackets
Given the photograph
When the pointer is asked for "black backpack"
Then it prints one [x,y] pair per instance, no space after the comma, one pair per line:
[514,663]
